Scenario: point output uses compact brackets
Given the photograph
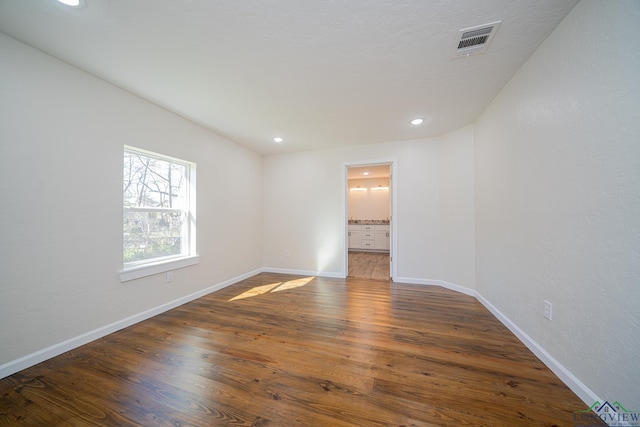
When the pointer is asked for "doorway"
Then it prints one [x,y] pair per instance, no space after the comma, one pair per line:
[369,225]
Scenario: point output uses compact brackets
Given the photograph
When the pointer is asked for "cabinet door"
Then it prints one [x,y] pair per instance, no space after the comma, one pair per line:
[382,240]
[355,239]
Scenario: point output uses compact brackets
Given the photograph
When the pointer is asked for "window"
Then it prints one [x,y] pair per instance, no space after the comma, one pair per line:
[158,213]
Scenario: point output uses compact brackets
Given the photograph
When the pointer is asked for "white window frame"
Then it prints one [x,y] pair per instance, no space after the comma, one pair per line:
[188,256]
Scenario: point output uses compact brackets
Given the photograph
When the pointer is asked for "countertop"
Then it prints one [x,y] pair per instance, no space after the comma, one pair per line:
[369,221]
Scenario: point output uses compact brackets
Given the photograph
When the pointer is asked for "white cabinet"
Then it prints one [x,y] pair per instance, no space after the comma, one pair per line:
[355,236]
[369,237]
[381,240]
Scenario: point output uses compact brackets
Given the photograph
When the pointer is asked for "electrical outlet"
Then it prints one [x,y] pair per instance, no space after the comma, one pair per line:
[169,276]
[548,309]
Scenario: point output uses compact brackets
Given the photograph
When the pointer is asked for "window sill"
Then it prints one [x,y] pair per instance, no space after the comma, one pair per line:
[163,266]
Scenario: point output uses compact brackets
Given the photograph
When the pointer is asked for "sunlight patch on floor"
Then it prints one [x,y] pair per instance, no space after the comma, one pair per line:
[291,284]
[273,287]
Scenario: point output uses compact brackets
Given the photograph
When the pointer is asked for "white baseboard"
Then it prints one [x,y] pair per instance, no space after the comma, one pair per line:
[570,380]
[29,360]
[447,285]
[303,272]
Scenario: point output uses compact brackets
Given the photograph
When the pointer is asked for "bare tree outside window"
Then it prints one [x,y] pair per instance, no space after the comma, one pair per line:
[156,206]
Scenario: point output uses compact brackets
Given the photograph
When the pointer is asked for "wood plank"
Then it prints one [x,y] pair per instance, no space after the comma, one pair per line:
[288,350]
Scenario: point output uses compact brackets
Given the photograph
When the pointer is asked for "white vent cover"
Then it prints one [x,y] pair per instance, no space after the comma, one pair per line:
[474,39]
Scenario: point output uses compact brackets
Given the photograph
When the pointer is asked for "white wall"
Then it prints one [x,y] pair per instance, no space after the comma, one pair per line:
[557,198]
[456,225]
[304,208]
[368,204]
[61,148]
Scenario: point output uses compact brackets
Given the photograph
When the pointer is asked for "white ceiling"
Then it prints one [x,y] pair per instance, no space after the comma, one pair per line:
[320,73]
[373,171]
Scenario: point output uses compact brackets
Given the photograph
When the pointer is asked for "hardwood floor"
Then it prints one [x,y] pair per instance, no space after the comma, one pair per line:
[278,350]
[369,265]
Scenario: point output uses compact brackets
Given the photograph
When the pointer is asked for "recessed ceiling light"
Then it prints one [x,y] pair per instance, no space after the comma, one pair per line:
[416,121]
[70,2]
[365,173]
[278,139]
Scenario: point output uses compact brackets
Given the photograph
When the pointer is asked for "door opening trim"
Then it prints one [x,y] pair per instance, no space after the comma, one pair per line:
[393,252]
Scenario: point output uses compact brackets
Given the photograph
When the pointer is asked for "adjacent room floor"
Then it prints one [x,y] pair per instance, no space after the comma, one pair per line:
[369,265]
[279,350]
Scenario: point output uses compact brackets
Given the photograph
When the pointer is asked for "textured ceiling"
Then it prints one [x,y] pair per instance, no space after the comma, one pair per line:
[321,73]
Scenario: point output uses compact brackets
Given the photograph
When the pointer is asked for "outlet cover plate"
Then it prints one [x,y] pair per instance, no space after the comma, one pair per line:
[548,310]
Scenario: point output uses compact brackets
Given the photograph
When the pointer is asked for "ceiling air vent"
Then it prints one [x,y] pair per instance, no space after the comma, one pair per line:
[474,39]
